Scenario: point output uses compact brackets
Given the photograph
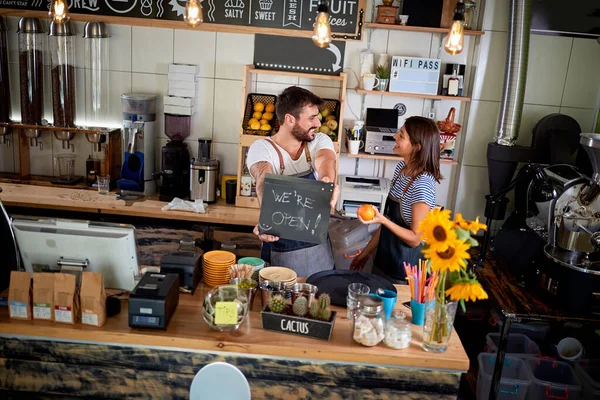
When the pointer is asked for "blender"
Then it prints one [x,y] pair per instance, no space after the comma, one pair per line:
[175,159]
[204,174]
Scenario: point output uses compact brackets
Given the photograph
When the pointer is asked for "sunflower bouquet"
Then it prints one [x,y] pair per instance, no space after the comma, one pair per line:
[446,247]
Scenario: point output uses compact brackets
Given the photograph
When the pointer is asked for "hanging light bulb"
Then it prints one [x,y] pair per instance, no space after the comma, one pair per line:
[193,13]
[59,11]
[455,41]
[322,32]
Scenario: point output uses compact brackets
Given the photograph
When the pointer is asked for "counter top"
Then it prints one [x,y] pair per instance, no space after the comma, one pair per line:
[33,196]
[187,330]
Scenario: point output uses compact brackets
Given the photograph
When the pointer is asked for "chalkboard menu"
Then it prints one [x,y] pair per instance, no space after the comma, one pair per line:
[579,18]
[295,208]
[270,14]
[296,54]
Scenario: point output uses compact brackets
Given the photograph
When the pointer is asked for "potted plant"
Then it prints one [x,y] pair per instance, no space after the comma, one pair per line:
[313,320]
[383,74]
[446,249]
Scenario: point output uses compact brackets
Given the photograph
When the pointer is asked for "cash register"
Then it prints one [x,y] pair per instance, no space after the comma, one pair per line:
[153,301]
[358,190]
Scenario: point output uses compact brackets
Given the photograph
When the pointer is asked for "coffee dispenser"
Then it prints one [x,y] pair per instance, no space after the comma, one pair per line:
[139,124]
[204,174]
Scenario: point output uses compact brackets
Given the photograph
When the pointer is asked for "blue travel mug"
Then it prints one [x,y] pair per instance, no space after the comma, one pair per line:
[389,301]
[418,312]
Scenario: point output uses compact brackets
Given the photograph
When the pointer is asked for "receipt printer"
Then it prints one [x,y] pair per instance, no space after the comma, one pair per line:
[153,301]
[358,190]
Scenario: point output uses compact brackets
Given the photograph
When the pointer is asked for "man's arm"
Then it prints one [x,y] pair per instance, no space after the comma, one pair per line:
[258,171]
[325,166]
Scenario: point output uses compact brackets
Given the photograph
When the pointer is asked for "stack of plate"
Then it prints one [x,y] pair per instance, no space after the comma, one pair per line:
[215,266]
[257,264]
[280,274]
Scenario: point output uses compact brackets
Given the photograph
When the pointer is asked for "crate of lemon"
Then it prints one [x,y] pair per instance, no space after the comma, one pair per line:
[259,116]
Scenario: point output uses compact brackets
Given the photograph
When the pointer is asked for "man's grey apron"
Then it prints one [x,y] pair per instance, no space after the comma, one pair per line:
[303,257]
[392,252]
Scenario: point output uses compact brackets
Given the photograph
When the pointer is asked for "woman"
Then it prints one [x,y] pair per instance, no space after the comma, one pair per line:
[411,197]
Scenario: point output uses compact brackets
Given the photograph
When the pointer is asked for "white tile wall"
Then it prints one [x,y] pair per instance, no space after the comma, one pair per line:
[481,127]
[531,115]
[583,78]
[489,78]
[227,111]
[152,49]
[473,185]
[120,54]
[496,15]
[585,117]
[192,47]
[233,52]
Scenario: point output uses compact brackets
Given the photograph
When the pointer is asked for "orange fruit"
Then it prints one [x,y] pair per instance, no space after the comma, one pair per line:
[268,116]
[366,212]
[257,115]
[270,108]
[259,107]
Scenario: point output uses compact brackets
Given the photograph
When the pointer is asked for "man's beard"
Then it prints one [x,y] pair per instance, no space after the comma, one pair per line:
[301,134]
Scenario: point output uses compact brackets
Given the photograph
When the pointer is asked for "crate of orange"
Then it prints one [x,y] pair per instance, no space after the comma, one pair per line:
[259,115]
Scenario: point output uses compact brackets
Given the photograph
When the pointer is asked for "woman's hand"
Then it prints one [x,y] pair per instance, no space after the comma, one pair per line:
[379,218]
[358,263]
[264,237]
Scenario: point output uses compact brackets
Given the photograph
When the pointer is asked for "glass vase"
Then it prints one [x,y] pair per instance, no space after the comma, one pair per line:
[439,319]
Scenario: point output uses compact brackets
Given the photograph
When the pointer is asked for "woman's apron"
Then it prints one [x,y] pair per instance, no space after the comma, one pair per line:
[303,257]
[392,252]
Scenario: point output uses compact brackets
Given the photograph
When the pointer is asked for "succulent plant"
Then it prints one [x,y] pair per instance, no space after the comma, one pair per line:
[300,307]
[277,304]
[315,309]
[383,72]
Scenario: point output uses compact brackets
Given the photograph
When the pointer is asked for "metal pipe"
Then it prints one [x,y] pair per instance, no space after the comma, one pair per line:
[515,77]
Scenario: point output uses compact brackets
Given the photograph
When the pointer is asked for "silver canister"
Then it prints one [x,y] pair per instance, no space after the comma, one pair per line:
[204,175]
[304,290]
[268,289]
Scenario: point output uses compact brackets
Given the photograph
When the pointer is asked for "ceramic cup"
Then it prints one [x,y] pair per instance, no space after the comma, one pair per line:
[354,146]
[403,19]
[570,349]
[389,301]
[418,313]
[370,81]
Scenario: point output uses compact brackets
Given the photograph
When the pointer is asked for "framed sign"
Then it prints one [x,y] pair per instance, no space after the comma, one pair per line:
[295,208]
[415,75]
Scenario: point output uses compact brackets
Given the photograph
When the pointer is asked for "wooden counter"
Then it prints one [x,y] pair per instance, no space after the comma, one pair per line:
[268,359]
[90,201]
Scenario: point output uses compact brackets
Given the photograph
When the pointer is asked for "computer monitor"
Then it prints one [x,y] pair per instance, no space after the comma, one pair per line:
[52,245]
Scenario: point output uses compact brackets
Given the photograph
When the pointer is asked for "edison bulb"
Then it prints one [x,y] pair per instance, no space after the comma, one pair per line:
[193,13]
[59,12]
[456,38]
[322,32]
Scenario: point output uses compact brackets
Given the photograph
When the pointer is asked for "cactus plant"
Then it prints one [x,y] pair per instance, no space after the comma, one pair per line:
[300,307]
[277,304]
[326,314]
[315,309]
[324,301]
[319,309]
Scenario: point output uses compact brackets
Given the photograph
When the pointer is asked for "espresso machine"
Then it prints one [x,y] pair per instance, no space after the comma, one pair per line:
[175,159]
[139,124]
[204,174]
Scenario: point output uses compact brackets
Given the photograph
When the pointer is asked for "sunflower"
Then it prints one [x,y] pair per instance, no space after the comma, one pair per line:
[460,222]
[475,226]
[437,229]
[451,259]
[471,290]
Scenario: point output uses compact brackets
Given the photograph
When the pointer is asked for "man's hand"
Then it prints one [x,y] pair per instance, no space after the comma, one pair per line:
[335,194]
[263,237]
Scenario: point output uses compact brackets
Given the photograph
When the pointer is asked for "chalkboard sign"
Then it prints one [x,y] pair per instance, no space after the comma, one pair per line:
[284,53]
[577,18]
[268,14]
[295,208]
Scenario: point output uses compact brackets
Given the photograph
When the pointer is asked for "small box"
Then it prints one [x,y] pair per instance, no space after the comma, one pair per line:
[178,110]
[153,301]
[173,76]
[183,85]
[179,101]
[189,69]
[182,92]
[186,264]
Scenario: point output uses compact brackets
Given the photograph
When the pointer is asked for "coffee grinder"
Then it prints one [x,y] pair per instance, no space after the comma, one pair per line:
[175,159]
[204,174]
[139,123]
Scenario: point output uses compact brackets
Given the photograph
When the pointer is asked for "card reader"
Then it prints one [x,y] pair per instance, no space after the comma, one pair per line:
[153,301]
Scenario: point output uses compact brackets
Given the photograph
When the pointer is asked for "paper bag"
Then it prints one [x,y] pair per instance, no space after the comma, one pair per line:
[19,295]
[43,295]
[93,299]
[66,300]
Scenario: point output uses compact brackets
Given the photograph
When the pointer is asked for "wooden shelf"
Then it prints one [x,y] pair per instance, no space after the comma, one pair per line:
[298,74]
[418,29]
[416,95]
[391,157]
[82,129]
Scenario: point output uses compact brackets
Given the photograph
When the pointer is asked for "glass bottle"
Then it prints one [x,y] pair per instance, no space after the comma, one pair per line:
[4,81]
[453,84]
[470,6]
[62,55]
[246,182]
[96,74]
[369,321]
[31,74]
[398,332]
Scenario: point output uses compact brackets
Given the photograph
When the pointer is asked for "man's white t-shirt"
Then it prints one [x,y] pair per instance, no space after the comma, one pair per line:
[263,151]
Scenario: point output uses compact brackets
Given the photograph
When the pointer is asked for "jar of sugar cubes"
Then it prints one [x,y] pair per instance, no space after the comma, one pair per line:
[398,332]
[369,321]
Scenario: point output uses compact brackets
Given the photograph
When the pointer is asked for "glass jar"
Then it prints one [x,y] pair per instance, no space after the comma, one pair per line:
[369,321]
[96,73]
[398,332]
[31,70]
[62,55]
[470,6]
[4,80]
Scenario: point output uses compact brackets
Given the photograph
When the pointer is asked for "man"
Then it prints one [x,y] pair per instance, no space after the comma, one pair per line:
[296,150]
